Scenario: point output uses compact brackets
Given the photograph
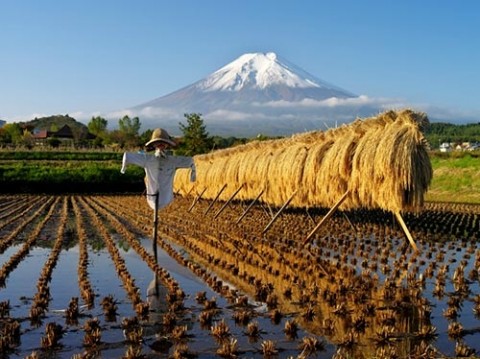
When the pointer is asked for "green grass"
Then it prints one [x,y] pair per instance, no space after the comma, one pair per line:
[456,178]
[59,176]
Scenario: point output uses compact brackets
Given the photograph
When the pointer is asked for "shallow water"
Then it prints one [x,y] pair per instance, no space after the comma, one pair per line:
[20,288]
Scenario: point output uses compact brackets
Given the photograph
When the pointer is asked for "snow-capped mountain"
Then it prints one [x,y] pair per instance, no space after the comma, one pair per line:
[256,93]
[258,71]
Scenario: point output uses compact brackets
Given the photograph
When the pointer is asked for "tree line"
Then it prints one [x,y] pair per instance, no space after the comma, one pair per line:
[195,138]
[437,133]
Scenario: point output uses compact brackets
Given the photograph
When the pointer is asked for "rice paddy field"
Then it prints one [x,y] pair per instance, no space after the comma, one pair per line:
[79,279]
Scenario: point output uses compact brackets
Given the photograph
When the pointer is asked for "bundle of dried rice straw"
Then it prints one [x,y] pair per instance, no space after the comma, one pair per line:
[382,161]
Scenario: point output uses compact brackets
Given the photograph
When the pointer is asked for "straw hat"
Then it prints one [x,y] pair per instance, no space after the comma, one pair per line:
[160,135]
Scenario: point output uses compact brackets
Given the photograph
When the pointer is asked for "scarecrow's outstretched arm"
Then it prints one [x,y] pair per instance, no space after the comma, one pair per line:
[138,159]
[186,162]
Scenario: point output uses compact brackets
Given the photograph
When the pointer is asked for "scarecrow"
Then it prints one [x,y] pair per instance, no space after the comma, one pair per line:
[160,171]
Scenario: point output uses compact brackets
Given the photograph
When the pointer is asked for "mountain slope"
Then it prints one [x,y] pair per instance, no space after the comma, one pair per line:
[257,93]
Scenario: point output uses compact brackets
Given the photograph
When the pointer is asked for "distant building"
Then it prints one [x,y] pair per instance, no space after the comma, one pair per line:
[64,134]
[474,146]
[445,147]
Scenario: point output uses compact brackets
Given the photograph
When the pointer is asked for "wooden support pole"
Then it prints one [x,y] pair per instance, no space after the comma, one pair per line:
[250,206]
[215,199]
[189,191]
[350,223]
[405,230]
[229,200]
[310,216]
[327,216]
[278,213]
[197,199]
[270,211]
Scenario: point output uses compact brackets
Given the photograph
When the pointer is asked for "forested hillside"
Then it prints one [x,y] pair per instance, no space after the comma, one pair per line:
[438,133]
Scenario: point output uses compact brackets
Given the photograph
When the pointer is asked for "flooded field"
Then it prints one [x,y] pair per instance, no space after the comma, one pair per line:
[78,278]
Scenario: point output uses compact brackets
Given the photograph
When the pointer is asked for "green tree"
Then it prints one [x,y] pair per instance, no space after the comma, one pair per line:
[129,126]
[27,139]
[97,126]
[195,137]
[12,133]
[128,131]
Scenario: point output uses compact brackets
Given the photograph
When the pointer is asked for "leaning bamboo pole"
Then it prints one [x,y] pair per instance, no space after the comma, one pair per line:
[382,162]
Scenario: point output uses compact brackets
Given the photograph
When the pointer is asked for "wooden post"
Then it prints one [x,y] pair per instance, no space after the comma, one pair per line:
[327,216]
[155,224]
[278,213]
[405,230]
[250,206]
[215,199]
[229,200]
[197,199]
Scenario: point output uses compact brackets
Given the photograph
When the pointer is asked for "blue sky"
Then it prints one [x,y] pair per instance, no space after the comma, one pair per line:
[89,57]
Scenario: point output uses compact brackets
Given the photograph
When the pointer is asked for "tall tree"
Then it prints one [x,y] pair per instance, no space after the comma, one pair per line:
[196,139]
[129,126]
[128,129]
[97,126]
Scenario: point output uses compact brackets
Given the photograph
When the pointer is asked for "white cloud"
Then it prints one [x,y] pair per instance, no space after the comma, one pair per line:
[115,115]
[333,102]
[156,112]
[451,115]
[228,115]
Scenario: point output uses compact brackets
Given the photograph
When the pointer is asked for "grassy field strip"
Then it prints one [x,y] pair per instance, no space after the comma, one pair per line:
[455,180]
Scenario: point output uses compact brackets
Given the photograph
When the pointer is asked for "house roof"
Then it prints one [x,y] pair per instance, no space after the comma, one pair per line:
[65,131]
[42,134]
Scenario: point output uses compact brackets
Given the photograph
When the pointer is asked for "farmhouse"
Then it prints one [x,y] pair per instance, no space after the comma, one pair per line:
[65,135]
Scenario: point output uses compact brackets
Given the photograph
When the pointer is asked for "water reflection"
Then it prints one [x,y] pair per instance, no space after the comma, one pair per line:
[156,298]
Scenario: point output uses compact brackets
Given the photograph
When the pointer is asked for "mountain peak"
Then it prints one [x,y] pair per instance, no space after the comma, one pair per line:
[258,71]
[257,93]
